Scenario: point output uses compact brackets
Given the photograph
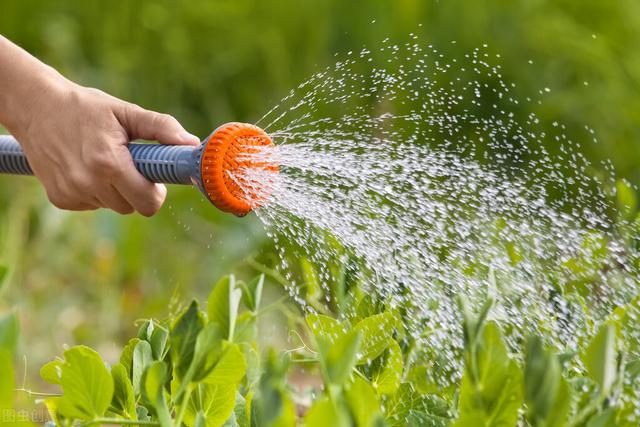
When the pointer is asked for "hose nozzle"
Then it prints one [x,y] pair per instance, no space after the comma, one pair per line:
[218,167]
[226,154]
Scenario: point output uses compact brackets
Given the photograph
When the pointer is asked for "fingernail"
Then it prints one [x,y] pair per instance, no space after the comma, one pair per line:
[187,137]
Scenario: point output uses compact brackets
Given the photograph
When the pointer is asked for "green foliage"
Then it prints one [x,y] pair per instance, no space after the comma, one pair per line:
[86,383]
[491,388]
[371,373]
[546,392]
[600,358]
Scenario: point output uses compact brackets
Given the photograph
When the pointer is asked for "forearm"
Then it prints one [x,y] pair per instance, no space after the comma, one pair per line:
[23,80]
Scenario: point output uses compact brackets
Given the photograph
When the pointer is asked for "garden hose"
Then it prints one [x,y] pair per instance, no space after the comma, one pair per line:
[211,167]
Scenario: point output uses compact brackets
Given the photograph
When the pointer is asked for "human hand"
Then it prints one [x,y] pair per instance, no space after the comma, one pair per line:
[75,139]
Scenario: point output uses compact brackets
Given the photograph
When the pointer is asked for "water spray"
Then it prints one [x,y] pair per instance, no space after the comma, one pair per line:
[212,167]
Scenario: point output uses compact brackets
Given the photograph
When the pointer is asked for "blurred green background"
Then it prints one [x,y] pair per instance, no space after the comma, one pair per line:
[86,277]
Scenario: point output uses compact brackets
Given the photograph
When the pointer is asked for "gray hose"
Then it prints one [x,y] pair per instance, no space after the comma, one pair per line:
[169,164]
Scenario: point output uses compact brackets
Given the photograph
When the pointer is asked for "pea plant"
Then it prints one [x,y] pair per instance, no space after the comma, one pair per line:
[204,367]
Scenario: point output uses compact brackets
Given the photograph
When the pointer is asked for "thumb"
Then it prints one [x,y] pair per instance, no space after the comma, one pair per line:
[144,124]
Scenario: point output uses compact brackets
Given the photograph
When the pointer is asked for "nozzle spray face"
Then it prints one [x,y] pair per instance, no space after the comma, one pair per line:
[225,154]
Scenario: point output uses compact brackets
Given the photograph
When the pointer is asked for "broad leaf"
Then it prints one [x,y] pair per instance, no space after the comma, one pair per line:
[51,372]
[141,360]
[600,358]
[230,368]
[408,404]
[183,336]
[215,402]
[325,327]
[153,381]
[223,303]
[86,383]
[208,349]
[252,293]
[363,402]
[325,413]
[158,340]
[388,379]
[123,397]
[491,389]
[546,392]
[376,332]
[339,358]
[126,358]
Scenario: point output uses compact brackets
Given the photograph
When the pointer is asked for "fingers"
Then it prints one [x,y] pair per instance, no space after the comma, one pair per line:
[144,124]
[143,195]
[110,197]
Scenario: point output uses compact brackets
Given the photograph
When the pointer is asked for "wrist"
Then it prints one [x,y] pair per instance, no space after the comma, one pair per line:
[26,87]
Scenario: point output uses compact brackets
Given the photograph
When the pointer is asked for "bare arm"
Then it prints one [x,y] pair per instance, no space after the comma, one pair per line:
[75,137]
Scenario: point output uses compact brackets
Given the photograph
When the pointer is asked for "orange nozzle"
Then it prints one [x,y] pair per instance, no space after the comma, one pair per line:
[227,153]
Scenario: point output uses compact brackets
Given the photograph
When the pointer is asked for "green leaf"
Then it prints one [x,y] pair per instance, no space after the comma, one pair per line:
[339,358]
[626,199]
[600,358]
[252,358]
[633,369]
[363,402]
[141,359]
[271,406]
[547,394]
[201,420]
[158,340]
[230,368]
[52,407]
[246,328]
[216,402]
[324,413]
[146,329]
[206,353]
[312,283]
[4,270]
[491,389]
[376,332]
[7,379]
[388,379]
[126,358]
[253,293]
[9,332]
[51,371]
[239,416]
[183,336]
[153,381]
[325,327]
[86,383]
[408,404]
[223,303]
[606,418]
[123,397]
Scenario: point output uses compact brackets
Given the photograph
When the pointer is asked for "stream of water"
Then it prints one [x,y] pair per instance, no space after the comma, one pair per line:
[440,180]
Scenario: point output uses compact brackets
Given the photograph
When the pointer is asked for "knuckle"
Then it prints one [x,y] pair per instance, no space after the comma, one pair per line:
[105,164]
[80,182]
[162,120]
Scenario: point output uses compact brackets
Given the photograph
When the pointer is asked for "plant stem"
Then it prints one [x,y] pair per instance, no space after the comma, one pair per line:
[120,421]
[183,405]
[35,393]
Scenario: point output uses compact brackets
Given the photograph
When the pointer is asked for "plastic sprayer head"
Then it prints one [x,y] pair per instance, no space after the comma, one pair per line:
[226,157]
